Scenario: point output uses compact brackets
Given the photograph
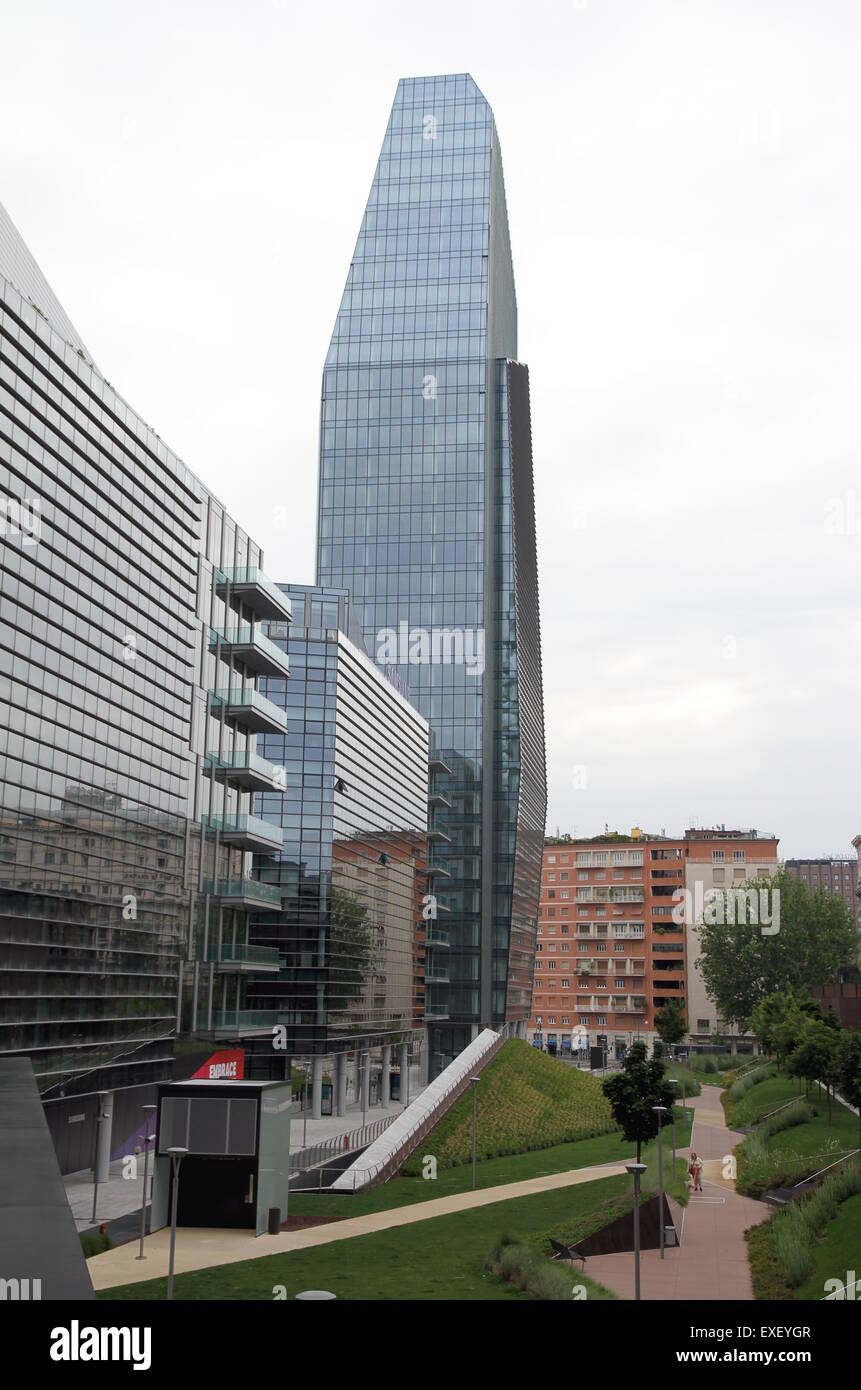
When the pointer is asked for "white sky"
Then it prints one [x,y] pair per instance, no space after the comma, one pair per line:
[683,193]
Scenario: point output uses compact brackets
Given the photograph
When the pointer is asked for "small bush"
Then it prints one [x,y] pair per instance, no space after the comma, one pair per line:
[743,1084]
[795,1230]
[95,1242]
[525,1269]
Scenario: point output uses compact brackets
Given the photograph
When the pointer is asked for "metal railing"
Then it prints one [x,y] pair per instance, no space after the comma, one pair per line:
[382,1171]
[305,1161]
[852,1153]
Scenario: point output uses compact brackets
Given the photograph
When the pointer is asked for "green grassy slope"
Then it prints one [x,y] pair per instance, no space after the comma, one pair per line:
[526,1101]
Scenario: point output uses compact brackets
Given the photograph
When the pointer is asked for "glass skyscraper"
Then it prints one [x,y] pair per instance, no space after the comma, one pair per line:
[426,515]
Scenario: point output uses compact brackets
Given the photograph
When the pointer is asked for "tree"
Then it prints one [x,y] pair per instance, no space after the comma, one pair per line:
[799,940]
[778,1019]
[848,1072]
[671,1023]
[815,1055]
[634,1090]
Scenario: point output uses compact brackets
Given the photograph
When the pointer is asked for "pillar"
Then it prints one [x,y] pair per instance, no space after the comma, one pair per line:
[340,1080]
[385,1088]
[316,1088]
[365,1096]
[405,1073]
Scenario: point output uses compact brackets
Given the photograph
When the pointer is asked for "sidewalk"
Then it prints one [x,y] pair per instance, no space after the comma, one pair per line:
[202,1249]
[711,1263]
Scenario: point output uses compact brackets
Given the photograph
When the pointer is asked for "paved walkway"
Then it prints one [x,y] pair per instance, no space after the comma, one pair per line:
[202,1249]
[711,1263]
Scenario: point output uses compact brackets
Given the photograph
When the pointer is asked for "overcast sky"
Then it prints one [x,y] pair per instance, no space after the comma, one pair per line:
[683,193]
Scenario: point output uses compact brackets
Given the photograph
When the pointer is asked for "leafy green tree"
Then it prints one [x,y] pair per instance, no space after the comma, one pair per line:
[671,1023]
[800,940]
[633,1091]
[848,1071]
[815,1055]
[777,1020]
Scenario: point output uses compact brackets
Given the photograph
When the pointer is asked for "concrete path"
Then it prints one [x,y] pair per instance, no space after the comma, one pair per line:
[711,1263]
[201,1249]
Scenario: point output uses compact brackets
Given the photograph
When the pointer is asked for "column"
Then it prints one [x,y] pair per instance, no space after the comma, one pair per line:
[340,1080]
[316,1088]
[386,1082]
[365,1096]
[405,1073]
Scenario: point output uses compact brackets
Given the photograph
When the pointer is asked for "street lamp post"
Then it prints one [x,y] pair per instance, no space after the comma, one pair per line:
[148,1111]
[474,1080]
[673,1080]
[176,1156]
[102,1161]
[660,1111]
[636,1170]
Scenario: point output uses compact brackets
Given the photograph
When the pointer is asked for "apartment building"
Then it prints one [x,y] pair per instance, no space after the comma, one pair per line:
[837,876]
[611,946]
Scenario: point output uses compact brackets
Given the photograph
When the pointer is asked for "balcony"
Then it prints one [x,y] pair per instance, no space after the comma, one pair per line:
[436,764]
[250,709]
[439,799]
[436,974]
[435,936]
[437,871]
[439,836]
[251,648]
[241,959]
[247,832]
[436,1008]
[246,770]
[239,1023]
[251,587]
[244,892]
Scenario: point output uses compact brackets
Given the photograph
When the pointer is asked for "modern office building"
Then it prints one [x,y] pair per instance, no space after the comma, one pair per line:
[351,873]
[617,934]
[426,517]
[130,651]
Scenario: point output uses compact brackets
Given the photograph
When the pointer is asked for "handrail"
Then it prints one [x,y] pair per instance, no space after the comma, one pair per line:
[388,1167]
[849,1154]
[762,1118]
[338,1144]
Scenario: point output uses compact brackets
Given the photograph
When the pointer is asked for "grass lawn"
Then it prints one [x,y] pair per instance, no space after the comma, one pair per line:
[491,1172]
[431,1260]
[838,1252]
[796,1153]
[765,1096]
[526,1101]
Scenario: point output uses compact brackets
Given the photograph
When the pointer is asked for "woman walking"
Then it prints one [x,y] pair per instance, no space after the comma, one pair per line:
[695,1168]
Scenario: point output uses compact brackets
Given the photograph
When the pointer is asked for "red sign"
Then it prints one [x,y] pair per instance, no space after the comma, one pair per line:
[222,1066]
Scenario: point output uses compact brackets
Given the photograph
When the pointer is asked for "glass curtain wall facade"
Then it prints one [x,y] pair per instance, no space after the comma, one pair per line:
[130,652]
[353,815]
[415,521]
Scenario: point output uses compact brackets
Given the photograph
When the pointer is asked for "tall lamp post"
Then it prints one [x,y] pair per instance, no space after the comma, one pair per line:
[660,1111]
[673,1080]
[636,1170]
[474,1080]
[366,1083]
[176,1156]
[148,1110]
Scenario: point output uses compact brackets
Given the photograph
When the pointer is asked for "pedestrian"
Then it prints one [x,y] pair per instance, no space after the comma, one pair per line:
[695,1168]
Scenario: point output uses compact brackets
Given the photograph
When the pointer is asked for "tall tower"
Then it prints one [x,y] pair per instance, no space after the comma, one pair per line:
[426,514]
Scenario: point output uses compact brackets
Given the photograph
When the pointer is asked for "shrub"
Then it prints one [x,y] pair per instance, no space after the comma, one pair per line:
[527,1270]
[95,1242]
[745,1083]
[795,1229]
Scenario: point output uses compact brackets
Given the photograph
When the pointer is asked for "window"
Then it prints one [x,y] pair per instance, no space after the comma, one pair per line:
[551,859]
[702,1025]
[738,856]
[717,856]
[618,856]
